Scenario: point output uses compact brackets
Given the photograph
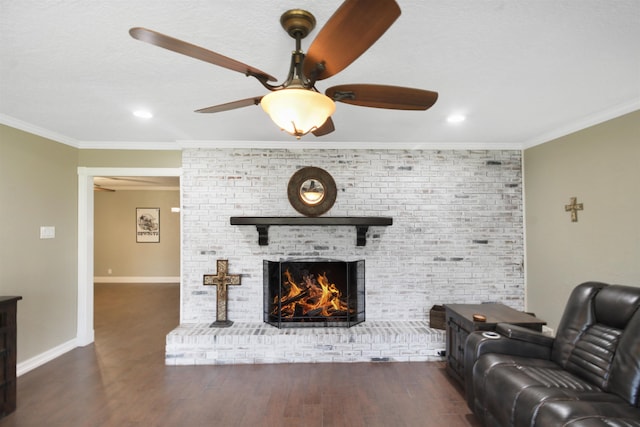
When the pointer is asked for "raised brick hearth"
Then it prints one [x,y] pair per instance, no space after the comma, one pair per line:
[255,343]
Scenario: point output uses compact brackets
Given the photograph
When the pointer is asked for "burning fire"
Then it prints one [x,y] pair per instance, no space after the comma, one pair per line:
[312,298]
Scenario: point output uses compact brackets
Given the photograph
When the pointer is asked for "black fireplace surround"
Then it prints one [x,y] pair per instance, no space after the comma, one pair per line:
[314,293]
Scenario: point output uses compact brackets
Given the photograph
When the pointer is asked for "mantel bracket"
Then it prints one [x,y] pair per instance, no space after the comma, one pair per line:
[263,234]
[361,235]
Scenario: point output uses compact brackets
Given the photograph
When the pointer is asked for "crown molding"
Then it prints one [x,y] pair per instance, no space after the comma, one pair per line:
[575,126]
[37,130]
[288,145]
[584,123]
[129,145]
[333,145]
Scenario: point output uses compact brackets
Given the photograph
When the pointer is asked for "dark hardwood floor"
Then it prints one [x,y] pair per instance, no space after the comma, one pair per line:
[121,380]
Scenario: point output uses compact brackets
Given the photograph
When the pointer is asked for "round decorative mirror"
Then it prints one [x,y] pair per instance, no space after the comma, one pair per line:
[312,191]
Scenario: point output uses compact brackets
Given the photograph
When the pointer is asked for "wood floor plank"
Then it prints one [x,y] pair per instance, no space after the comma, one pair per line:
[121,380]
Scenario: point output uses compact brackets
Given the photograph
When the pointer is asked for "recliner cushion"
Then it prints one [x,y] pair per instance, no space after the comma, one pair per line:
[605,350]
[532,399]
[624,379]
[602,422]
[511,387]
[586,414]
[578,313]
[592,355]
[615,305]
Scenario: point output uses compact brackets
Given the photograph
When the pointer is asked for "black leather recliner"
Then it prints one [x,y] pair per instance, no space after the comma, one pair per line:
[587,376]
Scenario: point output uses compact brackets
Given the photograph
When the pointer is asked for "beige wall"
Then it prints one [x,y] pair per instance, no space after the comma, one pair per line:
[601,167]
[38,187]
[130,158]
[115,240]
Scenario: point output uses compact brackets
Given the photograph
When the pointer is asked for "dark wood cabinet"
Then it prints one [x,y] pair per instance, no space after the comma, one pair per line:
[8,309]
[459,324]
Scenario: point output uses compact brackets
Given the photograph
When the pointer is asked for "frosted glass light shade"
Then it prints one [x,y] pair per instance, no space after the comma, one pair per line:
[298,111]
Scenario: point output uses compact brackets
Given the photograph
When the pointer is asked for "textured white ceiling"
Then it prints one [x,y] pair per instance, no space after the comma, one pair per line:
[522,71]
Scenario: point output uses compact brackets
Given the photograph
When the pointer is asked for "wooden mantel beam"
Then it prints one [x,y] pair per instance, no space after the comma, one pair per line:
[262,223]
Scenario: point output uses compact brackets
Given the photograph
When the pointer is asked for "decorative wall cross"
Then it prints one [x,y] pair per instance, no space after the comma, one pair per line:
[573,207]
[221,280]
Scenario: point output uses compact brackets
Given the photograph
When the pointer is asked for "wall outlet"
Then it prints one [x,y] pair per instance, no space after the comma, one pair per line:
[47,232]
[109,271]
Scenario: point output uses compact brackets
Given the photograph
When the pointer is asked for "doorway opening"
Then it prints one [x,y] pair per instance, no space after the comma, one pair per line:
[88,177]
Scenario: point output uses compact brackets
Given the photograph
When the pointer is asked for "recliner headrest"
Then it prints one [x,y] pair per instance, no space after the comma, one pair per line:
[615,304]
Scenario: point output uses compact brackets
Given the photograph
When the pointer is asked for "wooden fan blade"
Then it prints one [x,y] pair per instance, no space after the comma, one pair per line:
[326,128]
[382,96]
[97,187]
[188,49]
[231,105]
[350,31]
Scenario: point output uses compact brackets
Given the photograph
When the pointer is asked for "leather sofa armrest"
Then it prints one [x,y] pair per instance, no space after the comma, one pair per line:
[516,341]
[521,333]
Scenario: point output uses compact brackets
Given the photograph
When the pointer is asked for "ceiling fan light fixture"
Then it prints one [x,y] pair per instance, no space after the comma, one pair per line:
[298,111]
[295,105]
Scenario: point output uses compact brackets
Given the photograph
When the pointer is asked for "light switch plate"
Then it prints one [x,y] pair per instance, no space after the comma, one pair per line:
[47,232]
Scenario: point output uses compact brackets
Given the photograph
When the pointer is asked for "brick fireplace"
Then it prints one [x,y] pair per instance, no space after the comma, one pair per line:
[457,237]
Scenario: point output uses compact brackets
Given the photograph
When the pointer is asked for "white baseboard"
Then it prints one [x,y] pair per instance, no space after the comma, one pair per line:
[135,279]
[47,356]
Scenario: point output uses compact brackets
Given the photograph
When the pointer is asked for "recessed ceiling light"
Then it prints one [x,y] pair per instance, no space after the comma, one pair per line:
[456,118]
[143,114]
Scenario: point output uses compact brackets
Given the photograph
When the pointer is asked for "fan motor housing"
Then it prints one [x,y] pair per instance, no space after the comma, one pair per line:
[298,22]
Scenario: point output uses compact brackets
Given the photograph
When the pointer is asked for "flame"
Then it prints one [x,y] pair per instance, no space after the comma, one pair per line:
[312,294]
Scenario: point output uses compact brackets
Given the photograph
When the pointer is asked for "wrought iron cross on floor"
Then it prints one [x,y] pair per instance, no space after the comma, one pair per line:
[221,280]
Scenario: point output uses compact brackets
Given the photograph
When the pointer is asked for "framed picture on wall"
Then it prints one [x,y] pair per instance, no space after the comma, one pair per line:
[147,225]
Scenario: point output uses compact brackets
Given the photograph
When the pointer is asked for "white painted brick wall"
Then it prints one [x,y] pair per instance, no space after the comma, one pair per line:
[456,237]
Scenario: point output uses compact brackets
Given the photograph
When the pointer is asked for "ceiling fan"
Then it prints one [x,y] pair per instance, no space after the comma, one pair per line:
[296,105]
[97,187]
[101,183]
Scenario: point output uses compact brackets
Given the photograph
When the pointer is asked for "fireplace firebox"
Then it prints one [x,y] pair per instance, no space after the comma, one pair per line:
[314,293]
